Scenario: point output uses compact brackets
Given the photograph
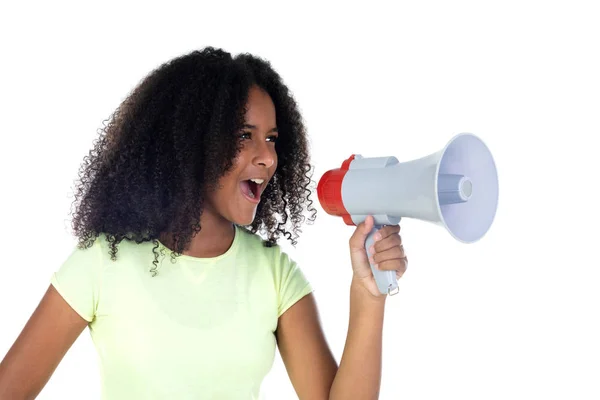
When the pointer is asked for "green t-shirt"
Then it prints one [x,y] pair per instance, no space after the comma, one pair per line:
[202,328]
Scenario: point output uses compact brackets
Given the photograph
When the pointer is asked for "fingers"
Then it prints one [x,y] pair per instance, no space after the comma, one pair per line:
[361,232]
[402,270]
[363,229]
[387,231]
[393,253]
[397,264]
[394,240]
[387,253]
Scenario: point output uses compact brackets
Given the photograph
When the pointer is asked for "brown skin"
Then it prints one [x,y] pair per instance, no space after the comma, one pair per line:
[40,347]
[310,364]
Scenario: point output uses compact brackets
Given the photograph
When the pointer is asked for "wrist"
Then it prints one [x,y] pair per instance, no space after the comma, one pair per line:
[359,288]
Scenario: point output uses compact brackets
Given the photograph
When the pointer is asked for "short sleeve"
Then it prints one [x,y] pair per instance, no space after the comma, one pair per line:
[77,280]
[291,283]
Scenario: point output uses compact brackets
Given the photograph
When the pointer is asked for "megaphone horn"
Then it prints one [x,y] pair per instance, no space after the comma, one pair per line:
[456,187]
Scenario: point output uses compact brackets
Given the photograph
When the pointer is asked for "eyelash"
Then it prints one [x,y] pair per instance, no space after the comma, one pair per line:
[275,138]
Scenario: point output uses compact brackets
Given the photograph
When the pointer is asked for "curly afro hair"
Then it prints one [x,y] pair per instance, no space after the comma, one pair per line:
[169,142]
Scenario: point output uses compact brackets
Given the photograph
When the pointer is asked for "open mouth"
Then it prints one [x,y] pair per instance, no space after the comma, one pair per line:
[251,189]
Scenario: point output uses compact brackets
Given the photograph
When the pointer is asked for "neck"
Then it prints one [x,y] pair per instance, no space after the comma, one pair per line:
[214,239]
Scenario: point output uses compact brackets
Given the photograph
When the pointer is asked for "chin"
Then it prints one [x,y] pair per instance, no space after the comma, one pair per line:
[243,220]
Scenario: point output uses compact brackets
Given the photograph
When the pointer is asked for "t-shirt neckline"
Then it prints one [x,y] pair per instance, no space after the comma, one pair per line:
[229,251]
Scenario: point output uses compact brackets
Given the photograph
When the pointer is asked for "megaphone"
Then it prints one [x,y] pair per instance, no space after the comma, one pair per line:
[456,188]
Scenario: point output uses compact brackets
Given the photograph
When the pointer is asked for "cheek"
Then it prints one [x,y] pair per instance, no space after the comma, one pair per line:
[223,190]
[273,168]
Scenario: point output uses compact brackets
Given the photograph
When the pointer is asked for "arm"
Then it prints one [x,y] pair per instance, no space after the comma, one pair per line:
[52,329]
[359,375]
[304,350]
[309,362]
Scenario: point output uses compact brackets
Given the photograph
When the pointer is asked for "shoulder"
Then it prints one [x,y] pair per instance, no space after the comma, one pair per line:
[96,254]
[254,246]
[86,260]
[283,267]
[89,253]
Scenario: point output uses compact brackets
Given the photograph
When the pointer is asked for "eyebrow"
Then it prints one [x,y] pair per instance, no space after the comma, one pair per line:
[254,127]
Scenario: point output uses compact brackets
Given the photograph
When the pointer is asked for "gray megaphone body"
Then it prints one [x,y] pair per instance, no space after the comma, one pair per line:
[456,188]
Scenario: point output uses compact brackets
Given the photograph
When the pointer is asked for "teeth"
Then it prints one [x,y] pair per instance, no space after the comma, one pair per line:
[258,181]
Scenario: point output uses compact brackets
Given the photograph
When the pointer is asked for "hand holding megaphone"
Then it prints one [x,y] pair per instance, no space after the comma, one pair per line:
[386,253]
[456,187]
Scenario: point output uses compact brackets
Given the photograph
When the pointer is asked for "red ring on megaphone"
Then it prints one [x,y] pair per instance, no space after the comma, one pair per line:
[329,191]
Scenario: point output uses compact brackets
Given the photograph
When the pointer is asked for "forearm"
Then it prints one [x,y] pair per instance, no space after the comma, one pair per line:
[359,374]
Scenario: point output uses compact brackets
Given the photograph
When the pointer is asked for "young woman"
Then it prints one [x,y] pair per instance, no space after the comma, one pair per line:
[182,297]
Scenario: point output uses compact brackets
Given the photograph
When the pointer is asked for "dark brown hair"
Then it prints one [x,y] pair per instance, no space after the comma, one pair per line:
[170,141]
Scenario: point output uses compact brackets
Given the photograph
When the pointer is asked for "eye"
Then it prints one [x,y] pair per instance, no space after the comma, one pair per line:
[245,135]
[273,138]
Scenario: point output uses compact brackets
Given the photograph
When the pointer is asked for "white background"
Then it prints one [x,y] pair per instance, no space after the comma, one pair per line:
[515,315]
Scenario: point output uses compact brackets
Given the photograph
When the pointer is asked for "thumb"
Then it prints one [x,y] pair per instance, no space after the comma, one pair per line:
[357,240]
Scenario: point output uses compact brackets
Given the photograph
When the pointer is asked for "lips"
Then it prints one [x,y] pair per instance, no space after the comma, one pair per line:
[251,190]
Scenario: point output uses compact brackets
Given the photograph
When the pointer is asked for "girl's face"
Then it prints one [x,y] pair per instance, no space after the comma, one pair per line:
[238,192]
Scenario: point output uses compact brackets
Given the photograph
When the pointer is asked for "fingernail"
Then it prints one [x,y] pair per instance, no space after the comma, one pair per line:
[372,249]
[378,236]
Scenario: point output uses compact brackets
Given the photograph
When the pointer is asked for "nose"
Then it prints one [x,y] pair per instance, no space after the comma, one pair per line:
[265,155]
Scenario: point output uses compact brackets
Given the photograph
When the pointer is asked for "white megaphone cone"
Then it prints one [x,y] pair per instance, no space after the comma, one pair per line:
[456,187]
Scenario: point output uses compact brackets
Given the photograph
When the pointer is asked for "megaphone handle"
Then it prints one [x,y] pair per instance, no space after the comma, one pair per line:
[386,280]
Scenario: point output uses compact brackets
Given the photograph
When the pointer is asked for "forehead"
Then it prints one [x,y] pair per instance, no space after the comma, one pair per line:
[260,106]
